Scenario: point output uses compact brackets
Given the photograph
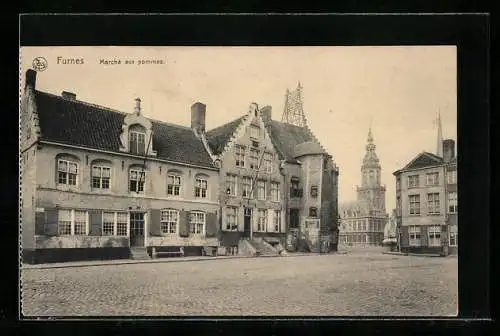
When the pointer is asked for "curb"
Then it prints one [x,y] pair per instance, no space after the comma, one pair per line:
[415,254]
[118,262]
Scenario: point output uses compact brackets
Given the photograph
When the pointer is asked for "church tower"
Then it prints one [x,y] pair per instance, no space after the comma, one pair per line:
[371,190]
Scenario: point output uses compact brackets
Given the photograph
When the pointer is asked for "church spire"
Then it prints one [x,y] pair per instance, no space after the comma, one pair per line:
[439,147]
[370,146]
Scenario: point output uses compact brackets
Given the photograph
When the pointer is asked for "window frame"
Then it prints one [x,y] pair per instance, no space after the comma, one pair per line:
[414,235]
[275,191]
[432,179]
[451,176]
[453,235]
[413,181]
[254,131]
[199,191]
[67,172]
[232,184]
[166,222]
[262,218]
[140,172]
[173,187]
[239,153]
[453,202]
[253,158]
[434,230]
[194,225]
[261,190]
[410,202]
[101,167]
[277,221]
[245,186]
[230,226]
[268,162]
[433,204]
[137,134]
[115,223]
[72,222]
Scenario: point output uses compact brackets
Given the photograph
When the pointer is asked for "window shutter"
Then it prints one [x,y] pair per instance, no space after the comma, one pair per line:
[51,222]
[211,224]
[184,223]
[405,236]
[155,222]
[39,223]
[424,238]
[95,217]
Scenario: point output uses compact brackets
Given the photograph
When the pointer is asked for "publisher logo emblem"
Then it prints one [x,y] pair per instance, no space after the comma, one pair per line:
[40,64]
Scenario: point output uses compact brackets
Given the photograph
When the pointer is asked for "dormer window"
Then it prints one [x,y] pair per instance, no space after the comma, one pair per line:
[137,139]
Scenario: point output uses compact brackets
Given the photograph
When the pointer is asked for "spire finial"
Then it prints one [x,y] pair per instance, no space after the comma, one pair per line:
[137,108]
[439,145]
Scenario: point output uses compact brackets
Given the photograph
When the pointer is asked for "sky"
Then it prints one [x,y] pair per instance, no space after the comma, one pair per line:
[398,90]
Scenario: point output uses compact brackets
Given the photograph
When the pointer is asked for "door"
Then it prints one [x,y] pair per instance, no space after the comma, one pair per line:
[247,223]
[136,229]
[294,218]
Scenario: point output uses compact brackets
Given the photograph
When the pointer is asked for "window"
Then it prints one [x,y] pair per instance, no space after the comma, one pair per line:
[246,187]
[114,224]
[414,235]
[232,219]
[398,183]
[275,192]
[231,183]
[451,177]
[452,202]
[201,187]
[137,142]
[413,181]
[240,156]
[434,235]
[254,132]
[72,222]
[432,178]
[261,220]
[168,221]
[100,177]
[268,163]
[398,205]
[136,180]
[314,191]
[433,203]
[295,191]
[414,204]
[261,190]
[453,236]
[173,185]
[67,172]
[197,222]
[313,212]
[254,159]
[277,220]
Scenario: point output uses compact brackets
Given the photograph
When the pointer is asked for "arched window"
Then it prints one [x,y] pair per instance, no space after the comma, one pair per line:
[137,139]
[101,174]
[197,222]
[174,181]
[67,169]
[137,178]
[201,186]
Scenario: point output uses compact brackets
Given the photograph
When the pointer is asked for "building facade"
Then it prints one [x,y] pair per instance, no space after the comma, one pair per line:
[99,183]
[427,202]
[363,220]
[279,184]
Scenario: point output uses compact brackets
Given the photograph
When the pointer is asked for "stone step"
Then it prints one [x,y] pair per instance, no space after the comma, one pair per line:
[139,253]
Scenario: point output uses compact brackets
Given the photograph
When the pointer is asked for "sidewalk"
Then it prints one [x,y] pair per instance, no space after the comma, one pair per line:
[412,254]
[152,261]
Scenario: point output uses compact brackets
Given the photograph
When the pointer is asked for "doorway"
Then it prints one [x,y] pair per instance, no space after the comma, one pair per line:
[294,218]
[247,223]
[136,229]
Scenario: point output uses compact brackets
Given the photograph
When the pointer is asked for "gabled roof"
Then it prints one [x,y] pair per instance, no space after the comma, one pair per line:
[422,160]
[218,137]
[78,123]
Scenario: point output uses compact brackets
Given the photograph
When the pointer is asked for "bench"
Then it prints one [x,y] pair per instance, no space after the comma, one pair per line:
[155,253]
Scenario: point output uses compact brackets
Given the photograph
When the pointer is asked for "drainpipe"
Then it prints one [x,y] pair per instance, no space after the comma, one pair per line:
[285,199]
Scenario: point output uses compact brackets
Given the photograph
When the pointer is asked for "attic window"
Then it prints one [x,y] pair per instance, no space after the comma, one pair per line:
[254,131]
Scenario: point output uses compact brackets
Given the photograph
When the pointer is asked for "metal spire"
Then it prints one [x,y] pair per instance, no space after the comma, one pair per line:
[294,110]
[439,145]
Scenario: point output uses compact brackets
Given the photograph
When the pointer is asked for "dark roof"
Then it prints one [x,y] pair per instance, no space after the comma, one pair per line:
[423,160]
[78,123]
[219,136]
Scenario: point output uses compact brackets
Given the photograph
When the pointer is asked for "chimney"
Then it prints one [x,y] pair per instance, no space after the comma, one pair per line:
[448,150]
[30,78]
[198,111]
[137,108]
[68,95]
[266,113]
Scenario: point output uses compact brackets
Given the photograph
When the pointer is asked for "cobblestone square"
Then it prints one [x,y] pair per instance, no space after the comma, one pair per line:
[353,284]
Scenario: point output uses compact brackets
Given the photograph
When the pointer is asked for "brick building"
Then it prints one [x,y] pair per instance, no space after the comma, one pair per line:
[363,220]
[427,204]
[100,183]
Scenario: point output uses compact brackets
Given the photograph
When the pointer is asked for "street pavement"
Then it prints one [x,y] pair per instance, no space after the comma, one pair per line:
[353,284]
